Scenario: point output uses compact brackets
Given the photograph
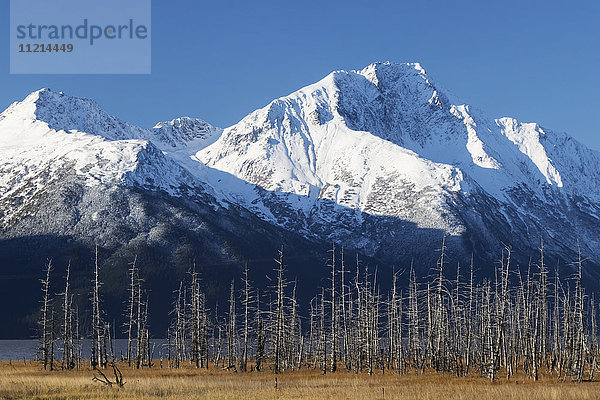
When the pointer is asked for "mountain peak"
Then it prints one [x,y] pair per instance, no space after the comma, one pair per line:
[27,108]
[62,112]
[407,67]
[40,92]
[183,130]
[386,72]
[45,99]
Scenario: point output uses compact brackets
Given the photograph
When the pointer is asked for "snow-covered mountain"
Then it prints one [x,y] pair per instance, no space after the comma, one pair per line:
[382,160]
[72,177]
[70,170]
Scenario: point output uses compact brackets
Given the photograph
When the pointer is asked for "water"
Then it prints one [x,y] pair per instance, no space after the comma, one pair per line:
[20,349]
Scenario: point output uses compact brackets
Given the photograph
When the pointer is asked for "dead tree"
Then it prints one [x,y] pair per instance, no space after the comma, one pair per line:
[232,330]
[67,331]
[579,348]
[345,310]
[133,276]
[246,322]
[45,334]
[97,324]
[51,340]
[179,328]
[102,378]
[333,331]
[139,330]
[195,317]
[260,336]
[322,336]
[279,316]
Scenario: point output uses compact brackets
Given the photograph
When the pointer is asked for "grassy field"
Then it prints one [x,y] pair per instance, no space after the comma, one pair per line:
[18,381]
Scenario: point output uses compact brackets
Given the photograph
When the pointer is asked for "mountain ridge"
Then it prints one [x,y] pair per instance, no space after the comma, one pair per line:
[382,161]
[430,144]
[305,143]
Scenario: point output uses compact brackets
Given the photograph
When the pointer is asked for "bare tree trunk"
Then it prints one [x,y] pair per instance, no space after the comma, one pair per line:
[96,359]
[67,335]
[231,330]
[334,333]
[279,314]
[346,337]
[45,345]
[322,335]
[132,297]
[139,330]
[246,305]
[51,340]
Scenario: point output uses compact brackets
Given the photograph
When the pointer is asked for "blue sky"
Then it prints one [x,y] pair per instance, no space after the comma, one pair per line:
[536,60]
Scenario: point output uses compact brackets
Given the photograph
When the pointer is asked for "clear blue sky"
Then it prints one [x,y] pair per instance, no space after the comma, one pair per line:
[219,60]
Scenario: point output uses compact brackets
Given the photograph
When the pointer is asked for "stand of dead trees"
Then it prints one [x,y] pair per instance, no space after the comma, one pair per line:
[139,346]
[66,333]
[51,334]
[524,323]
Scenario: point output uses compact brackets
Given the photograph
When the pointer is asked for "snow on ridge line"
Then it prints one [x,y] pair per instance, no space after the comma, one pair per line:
[383,141]
[69,113]
[468,139]
[31,149]
[484,149]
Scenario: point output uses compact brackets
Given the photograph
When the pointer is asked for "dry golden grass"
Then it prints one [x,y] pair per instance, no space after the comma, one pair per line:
[31,382]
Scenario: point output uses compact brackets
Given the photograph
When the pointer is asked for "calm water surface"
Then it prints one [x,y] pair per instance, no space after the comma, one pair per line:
[19,349]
